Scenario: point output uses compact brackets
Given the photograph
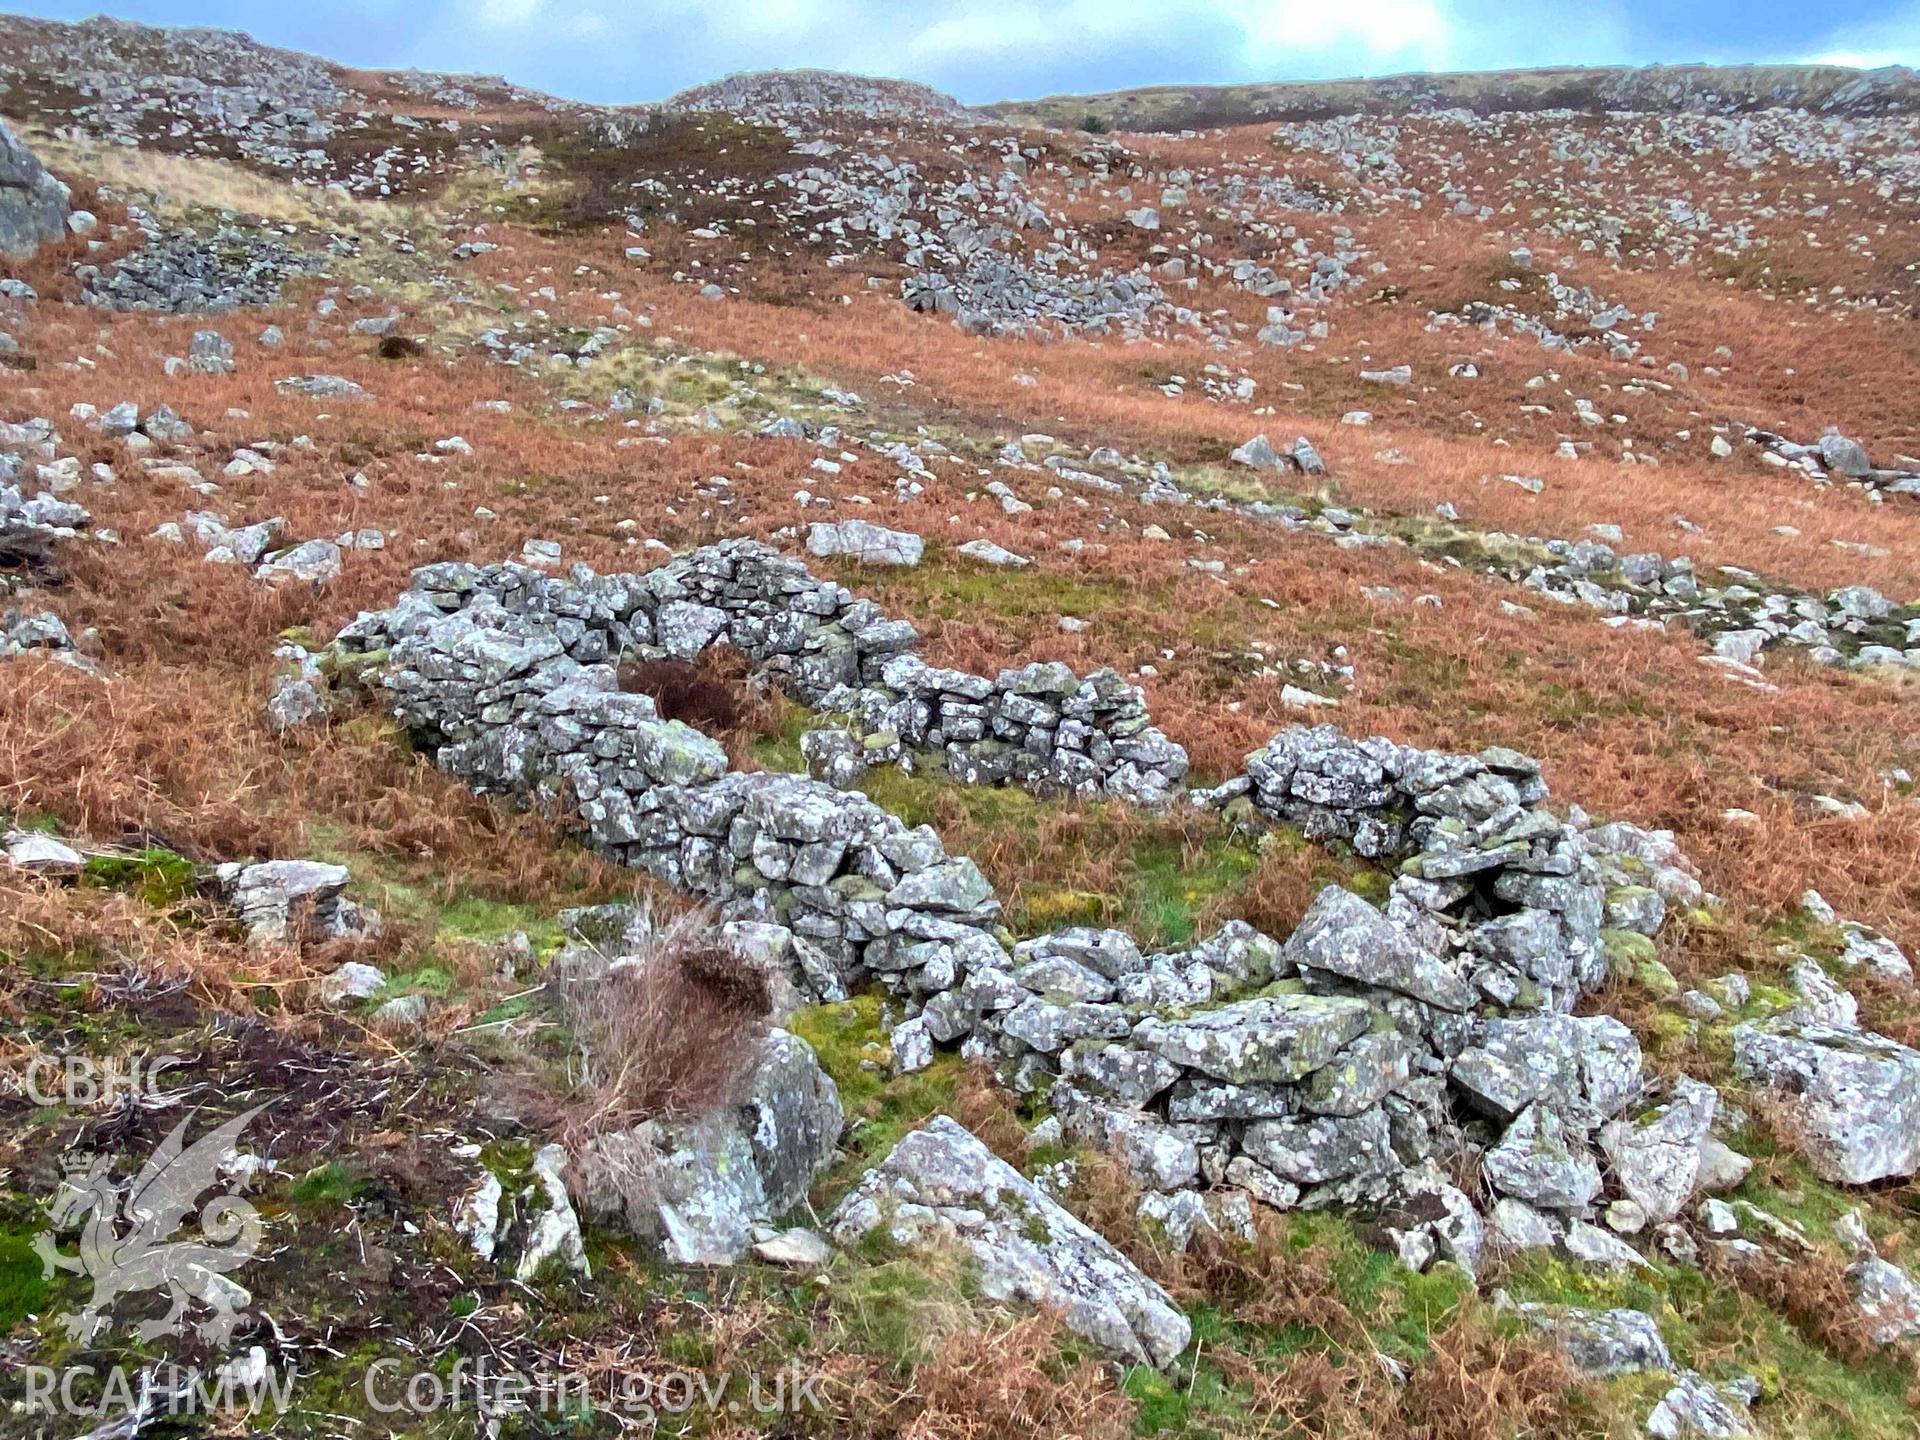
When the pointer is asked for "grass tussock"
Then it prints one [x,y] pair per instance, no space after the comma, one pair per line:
[665,1032]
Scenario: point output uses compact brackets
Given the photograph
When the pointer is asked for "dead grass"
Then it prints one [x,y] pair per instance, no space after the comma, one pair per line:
[1009,1383]
[666,1032]
[1812,1292]
[176,183]
[713,692]
[1628,724]
[1477,1382]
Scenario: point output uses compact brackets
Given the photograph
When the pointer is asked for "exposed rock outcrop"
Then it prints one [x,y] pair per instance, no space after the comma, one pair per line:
[33,205]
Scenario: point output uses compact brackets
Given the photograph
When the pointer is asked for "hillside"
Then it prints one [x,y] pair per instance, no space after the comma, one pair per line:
[1654,89]
[799,762]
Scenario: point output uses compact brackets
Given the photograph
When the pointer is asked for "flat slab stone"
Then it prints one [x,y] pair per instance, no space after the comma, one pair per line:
[866,542]
[1268,1039]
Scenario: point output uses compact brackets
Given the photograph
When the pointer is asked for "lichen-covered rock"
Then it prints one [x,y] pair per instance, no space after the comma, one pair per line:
[312,562]
[954,885]
[1656,1158]
[477,1218]
[1822,1000]
[864,541]
[1695,1407]
[296,703]
[1425,1213]
[1153,1154]
[1602,1343]
[320,387]
[1110,954]
[1360,1076]
[1587,1068]
[30,527]
[1538,1161]
[210,353]
[1884,1294]
[353,981]
[1853,1097]
[33,205]
[697,1189]
[1870,950]
[1315,1149]
[554,1235]
[1592,1245]
[41,854]
[282,902]
[1344,935]
[942,1186]
[1273,1038]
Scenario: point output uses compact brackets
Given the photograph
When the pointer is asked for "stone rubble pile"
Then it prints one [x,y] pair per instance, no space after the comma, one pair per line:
[1525,909]
[997,293]
[1339,1068]
[31,528]
[184,272]
[781,97]
[220,95]
[1742,617]
[1580,319]
[976,240]
[486,678]
[1741,614]
[130,83]
[260,547]
[1836,458]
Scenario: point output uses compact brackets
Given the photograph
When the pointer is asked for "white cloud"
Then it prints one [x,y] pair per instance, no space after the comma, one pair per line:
[508,14]
[1891,40]
[1383,29]
[1267,38]
[974,39]
[982,50]
[1865,59]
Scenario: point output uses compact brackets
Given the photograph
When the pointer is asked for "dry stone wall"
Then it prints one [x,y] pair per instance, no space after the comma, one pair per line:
[509,675]
[1340,1067]
[1040,726]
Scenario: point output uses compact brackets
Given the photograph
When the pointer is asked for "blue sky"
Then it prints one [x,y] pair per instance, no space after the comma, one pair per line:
[629,50]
